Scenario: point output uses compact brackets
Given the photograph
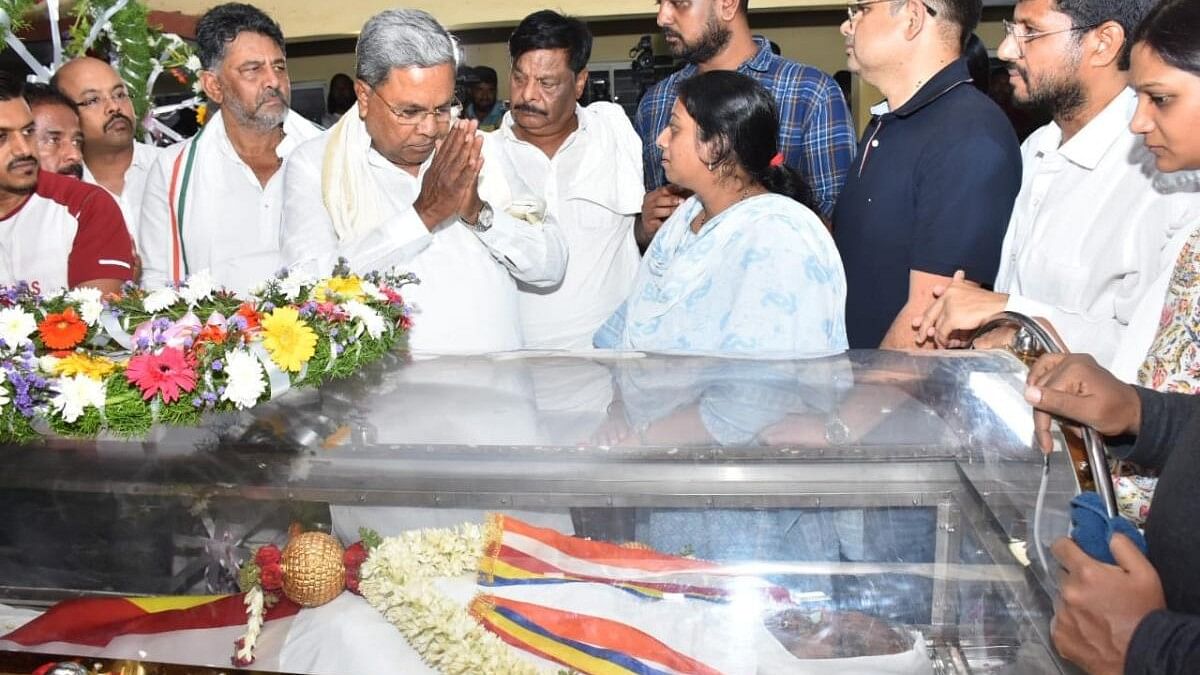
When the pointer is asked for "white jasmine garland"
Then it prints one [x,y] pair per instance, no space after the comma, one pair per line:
[246,382]
[160,299]
[254,622]
[193,63]
[370,319]
[76,393]
[89,301]
[396,580]
[16,325]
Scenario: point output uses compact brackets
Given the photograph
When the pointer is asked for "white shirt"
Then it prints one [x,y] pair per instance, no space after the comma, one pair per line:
[130,199]
[592,189]
[230,221]
[1089,230]
[467,298]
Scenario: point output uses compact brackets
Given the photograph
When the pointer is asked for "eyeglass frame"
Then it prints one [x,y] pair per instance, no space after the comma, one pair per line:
[118,98]
[452,114]
[854,9]
[1021,39]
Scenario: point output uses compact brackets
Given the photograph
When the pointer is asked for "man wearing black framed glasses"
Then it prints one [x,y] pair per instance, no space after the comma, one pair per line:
[937,168]
[1090,234]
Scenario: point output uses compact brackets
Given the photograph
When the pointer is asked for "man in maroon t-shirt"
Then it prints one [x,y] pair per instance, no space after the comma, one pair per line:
[55,232]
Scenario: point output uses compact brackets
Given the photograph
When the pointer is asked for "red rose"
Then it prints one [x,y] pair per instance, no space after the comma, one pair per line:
[268,555]
[355,555]
[352,582]
[271,577]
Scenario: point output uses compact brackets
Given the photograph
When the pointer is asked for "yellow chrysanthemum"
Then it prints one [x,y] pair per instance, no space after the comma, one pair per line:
[340,288]
[288,340]
[95,367]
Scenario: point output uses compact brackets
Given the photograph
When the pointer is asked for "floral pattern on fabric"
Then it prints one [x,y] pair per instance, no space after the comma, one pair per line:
[761,277]
[1172,364]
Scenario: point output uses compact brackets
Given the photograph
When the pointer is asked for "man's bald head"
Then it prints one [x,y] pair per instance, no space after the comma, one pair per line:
[105,109]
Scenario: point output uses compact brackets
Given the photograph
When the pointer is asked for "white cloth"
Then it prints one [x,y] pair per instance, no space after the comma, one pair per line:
[592,189]
[350,196]
[130,199]
[230,221]
[467,298]
[1090,230]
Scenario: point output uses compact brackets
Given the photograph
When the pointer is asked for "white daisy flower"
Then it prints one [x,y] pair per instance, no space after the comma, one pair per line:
[75,394]
[370,319]
[246,382]
[16,325]
[160,299]
[90,304]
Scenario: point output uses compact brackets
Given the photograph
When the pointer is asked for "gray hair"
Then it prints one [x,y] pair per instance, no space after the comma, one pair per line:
[402,38]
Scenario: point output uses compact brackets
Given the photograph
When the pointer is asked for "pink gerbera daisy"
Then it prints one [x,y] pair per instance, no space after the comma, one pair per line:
[168,373]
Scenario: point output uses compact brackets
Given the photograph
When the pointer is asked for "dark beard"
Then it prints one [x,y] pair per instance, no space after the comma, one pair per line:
[715,38]
[1062,101]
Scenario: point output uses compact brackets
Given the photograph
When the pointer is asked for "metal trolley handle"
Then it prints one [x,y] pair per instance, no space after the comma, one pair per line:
[1033,340]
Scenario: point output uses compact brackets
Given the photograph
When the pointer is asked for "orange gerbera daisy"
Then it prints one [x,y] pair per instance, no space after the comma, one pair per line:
[63,330]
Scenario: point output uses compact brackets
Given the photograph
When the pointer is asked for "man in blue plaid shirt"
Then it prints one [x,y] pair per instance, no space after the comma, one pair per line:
[816,134]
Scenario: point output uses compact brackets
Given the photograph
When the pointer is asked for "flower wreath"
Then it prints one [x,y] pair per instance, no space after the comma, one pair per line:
[80,364]
[138,52]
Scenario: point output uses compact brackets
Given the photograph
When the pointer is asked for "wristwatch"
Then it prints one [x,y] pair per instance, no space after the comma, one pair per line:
[836,431]
[483,222]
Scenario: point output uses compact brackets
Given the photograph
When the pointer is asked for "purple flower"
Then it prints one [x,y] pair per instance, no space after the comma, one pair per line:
[196,402]
[217,365]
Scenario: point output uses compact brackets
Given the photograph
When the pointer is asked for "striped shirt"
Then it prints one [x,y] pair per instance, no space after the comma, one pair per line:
[816,134]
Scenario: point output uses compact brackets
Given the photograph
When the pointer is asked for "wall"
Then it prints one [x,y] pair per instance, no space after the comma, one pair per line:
[811,37]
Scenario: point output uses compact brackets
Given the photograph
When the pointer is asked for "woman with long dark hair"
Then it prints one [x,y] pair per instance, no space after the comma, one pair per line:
[743,265]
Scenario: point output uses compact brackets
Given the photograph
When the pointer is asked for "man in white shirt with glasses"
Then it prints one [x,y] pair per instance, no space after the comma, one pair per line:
[112,158]
[373,190]
[1094,224]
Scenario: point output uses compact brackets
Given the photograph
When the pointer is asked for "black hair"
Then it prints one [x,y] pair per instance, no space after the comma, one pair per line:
[37,93]
[979,64]
[487,74]
[1170,30]
[340,100]
[739,118]
[962,13]
[222,24]
[550,30]
[1127,13]
[10,85]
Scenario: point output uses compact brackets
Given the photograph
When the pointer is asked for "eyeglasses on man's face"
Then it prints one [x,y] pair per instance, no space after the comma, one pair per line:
[855,9]
[413,115]
[1021,37]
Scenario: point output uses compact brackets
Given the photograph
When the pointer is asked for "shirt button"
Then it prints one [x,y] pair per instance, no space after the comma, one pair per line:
[875,143]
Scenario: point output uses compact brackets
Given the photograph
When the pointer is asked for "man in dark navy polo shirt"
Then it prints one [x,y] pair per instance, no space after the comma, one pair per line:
[937,169]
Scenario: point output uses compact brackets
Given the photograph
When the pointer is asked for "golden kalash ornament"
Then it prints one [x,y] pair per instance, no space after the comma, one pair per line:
[313,571]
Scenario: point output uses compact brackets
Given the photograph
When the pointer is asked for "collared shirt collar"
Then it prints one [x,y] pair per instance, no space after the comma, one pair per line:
[761,61]
[507,124]
[291,136]
[953,75]
[1087,147]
